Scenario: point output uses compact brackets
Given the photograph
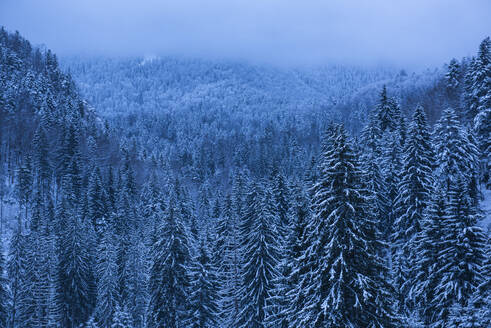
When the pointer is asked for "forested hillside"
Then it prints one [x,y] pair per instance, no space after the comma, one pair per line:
[191,193]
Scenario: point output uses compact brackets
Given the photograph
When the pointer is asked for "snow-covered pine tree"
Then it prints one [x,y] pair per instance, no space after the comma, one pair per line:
[478,85]
[413,196]
[260,257]
[228,263]
[371,165]
[204,296]
[461,252]
[278,302]
[425,264]
[43,281]
[138,294]
[18,273]
[452,153]
[41,165]
[390,168]
[345,286]
[169,276]
[282,308]
[454,85]
[453,76]
[478,105]
[107,276]
[126,224]
[75,242]
[388,112]
[473,176]
[388,133]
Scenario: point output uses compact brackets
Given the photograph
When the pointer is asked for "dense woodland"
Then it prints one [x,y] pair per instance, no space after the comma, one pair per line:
[190,193]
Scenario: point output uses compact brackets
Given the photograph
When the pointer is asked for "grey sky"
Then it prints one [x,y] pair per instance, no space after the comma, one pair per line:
[401,32]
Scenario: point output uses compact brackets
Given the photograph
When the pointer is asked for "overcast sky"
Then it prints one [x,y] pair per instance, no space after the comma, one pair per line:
[401,32]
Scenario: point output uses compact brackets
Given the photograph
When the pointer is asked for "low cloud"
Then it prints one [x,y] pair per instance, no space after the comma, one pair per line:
[409,33]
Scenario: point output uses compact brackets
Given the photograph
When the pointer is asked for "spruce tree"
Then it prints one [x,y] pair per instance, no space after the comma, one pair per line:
[41,163]
[452,76]
[454,85]
[414,192]
[278,302]
[43,282]
[204,298]
[260,257]
[18,273]
[228,262]
[138,294]
[478,88]
[169,276]
[426,257]
[478,102]
[372,166]
[453,157]
[461,250]
[386,138]
[388,112]
[282,308]
[76,276]
[345,286]
[107,277]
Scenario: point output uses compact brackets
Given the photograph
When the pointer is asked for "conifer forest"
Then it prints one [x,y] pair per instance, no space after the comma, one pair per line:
[175,192]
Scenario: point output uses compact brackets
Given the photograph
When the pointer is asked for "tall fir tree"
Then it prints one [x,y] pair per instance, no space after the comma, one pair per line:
[414,192]
[169,277]
[18,274]
[426,260]
[454,85]
[345,286]
[461,252]
[282,309]
[278,302]
[76,275]
[260,257]
[204,297]
[227,259]
[454,155]
[478,85]
[372,165]
[107,277]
